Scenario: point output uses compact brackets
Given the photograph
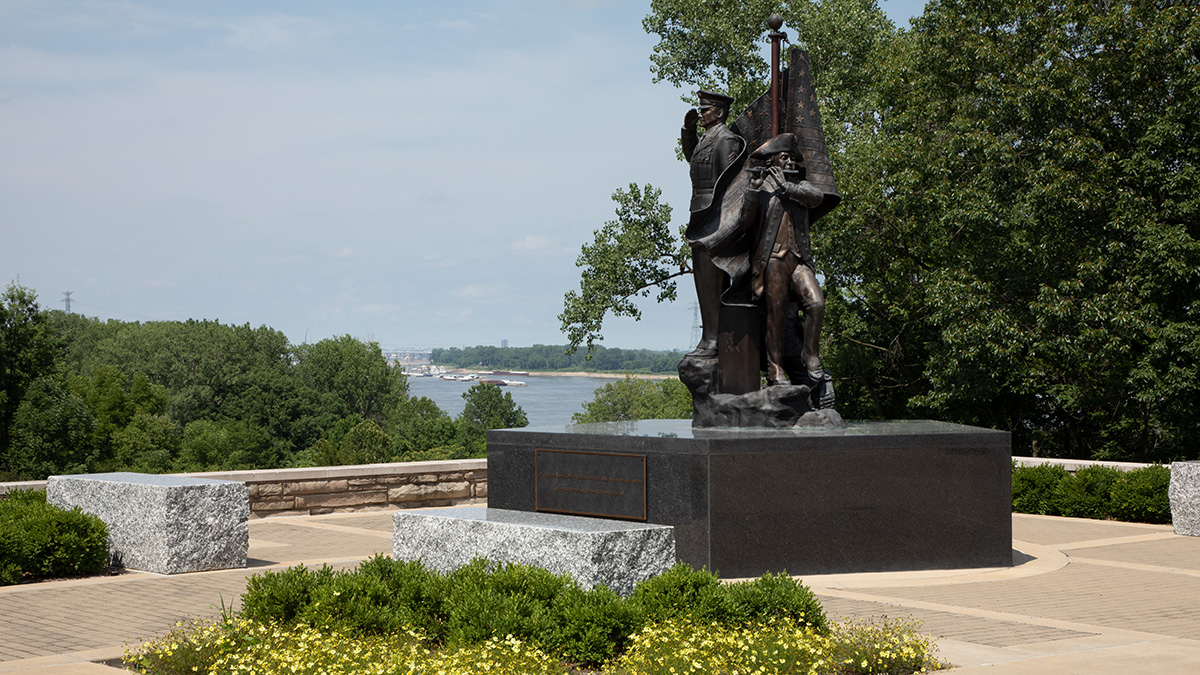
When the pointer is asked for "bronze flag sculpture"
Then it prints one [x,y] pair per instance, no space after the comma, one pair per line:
[758,185]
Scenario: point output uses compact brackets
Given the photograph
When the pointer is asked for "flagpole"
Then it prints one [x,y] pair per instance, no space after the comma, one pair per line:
[775,21]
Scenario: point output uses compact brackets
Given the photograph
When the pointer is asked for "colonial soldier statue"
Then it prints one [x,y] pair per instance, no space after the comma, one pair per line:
[776,208]
[713,159]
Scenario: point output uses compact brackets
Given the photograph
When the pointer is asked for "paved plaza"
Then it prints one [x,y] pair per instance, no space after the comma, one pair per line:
[1083,597]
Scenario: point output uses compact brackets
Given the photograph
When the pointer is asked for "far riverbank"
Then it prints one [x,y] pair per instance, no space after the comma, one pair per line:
[577,373]
[550,399]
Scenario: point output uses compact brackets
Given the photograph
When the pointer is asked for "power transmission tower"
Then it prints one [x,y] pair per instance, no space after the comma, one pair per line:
[67,299]
[696,323]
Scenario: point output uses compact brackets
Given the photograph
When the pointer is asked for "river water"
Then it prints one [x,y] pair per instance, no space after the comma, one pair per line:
[547,401]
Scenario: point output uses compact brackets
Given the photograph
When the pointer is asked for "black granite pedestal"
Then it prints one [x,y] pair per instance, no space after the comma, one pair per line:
[872,497]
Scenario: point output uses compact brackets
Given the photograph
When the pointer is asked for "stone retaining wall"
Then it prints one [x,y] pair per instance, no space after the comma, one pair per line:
[1073,465]
[284,492]
[313,491]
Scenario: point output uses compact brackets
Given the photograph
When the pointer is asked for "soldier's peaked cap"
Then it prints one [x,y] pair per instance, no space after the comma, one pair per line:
[781,143]
[712,98]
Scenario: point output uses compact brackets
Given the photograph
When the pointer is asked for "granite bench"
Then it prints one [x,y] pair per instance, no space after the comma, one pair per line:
[593,551]
[163,524]
[1184,493]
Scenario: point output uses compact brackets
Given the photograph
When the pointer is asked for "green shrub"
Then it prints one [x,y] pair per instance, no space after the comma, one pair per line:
[485,601]
[589,627]
[282,596]
[489,599]
[681,591]
[1087,493]
[1141,495]
[359,603]
[1093,492]
[1035,488]
[10,565]
[416,594]
[775,596]
[40,540]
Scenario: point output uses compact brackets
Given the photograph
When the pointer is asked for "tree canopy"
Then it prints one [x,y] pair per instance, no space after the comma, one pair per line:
[1018,244]
[81,395]
[1021,248]
[637,399]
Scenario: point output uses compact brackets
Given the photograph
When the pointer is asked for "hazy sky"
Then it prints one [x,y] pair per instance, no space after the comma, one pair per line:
[418,173]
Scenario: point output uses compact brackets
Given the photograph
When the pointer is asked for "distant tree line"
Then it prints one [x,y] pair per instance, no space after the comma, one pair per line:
[82,395]
[555,357]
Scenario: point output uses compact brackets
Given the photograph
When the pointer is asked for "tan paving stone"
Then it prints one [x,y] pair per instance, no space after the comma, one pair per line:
[942,625]
[1159,657]
[1082,593]
[314,542]
[377,522]
[1175,552]
[1051,530]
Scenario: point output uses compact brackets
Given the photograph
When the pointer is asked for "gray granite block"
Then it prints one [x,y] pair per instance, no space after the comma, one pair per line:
[1184,494]
[592,550]
[163,524]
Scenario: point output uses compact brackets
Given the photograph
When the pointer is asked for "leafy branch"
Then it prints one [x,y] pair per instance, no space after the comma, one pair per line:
[628,257]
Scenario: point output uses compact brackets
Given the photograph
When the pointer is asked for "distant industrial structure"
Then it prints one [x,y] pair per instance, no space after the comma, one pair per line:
[407,357]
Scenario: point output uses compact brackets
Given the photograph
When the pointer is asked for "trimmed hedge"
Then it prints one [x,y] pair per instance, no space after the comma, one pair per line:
[40,540]
[1093,492]
[485,600]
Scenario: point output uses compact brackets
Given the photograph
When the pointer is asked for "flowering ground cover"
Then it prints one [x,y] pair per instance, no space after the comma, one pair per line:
[397,618]
[237,646]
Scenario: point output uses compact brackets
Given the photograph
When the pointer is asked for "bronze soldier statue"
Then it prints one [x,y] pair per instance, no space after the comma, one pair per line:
[775,208]
[751,257]
[712,160]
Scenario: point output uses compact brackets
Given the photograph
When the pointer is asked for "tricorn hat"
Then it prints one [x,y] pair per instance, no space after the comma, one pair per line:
[712,98]
[778,144]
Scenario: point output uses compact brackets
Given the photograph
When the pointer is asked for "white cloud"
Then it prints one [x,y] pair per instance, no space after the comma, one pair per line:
[456,314]
[264,33]
[475,291]
[379,309]
[457,25]
[532,243]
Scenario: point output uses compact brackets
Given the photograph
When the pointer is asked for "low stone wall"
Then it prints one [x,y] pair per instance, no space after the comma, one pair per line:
[319,490]
[1073,465]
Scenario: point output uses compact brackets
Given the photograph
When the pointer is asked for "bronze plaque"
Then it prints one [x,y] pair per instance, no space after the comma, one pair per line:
[590,483]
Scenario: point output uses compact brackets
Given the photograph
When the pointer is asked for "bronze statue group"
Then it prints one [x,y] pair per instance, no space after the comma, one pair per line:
[758,184]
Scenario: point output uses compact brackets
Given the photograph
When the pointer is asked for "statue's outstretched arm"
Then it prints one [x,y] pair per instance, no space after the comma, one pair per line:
[804,193]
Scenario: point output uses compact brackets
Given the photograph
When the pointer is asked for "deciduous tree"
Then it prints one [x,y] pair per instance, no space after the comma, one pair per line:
[1022,247]
[29,349]
[353,375]
[630,255]
[51,432]
[637,399]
